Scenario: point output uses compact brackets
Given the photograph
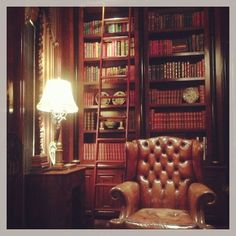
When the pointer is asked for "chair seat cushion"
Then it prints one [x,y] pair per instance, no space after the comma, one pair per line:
[160,218]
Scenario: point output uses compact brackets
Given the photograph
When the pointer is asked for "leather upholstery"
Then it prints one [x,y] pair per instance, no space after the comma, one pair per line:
[162,172]
[160,218]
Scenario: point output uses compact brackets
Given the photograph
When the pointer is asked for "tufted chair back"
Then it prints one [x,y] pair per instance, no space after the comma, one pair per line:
[164,167]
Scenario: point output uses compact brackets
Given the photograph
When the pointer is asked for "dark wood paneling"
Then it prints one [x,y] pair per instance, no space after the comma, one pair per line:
[89,189]
[217,169]
[15,23]
[67,72]
[55,199]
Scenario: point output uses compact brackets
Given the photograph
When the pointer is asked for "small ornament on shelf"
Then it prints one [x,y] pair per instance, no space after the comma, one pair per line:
[191,95]
[101,126]
[121,126]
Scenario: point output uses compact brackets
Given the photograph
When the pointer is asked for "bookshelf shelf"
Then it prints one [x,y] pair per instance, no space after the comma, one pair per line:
[94,37]
[110,83]
[117,58]
[108,107]
[115,37]
[117,20]
[121,77]
[181,54]
[173,31]
[185,80]
[183,105]
[108,131]
[112,36]
[95,59]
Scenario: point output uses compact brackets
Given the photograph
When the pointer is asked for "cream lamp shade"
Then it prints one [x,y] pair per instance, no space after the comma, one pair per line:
[57,97]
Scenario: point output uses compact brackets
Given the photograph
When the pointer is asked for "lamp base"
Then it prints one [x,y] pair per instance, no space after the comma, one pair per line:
[59,154]
[55,153]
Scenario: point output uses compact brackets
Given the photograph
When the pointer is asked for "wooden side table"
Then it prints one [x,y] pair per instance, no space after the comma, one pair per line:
[55,199]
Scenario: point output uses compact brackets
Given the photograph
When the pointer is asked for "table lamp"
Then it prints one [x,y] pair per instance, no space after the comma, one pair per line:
[57,99]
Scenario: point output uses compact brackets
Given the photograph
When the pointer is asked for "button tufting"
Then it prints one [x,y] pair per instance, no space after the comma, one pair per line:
[163,151]
[150,184]
[177,186]
[169,143]
[176,151]
[158,143]
[145,144]
[182,144]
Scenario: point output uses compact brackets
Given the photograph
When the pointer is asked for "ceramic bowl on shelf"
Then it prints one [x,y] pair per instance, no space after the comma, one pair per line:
[104,100]
[120,100]
[111,124]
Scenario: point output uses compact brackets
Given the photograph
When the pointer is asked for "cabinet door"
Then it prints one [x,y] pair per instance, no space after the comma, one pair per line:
[89,190]
[107,179]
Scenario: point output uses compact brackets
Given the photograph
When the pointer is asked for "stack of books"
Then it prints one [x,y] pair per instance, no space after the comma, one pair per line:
[39,162]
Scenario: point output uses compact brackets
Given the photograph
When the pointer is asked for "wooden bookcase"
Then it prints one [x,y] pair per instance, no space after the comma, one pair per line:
[176,75]
[174,50]
[108,65]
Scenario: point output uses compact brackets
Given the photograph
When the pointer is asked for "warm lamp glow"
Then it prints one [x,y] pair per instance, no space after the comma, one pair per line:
[57,97]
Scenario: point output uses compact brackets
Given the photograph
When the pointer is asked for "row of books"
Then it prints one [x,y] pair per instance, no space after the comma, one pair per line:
[95,27]
[177,70]
[119,70]
[116,48]
[90,118]
[92,27]
[91,73]
[90,98]
[39,162]
[177,120]
[92,50]
[193,43]
[118,27]
[173,96]
[157,21]
[114,70]
[106,151]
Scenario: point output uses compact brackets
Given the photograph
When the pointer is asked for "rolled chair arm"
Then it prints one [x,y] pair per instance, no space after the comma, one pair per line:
[199,195]
[128,195]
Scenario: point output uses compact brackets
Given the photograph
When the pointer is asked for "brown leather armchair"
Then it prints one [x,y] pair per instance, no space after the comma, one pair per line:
[163,188]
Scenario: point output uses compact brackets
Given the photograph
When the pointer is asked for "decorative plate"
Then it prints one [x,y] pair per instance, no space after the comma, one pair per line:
[118,101]
[190,95]
[104,101]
